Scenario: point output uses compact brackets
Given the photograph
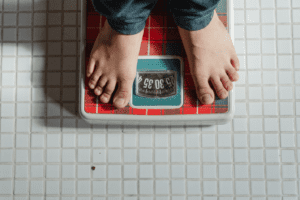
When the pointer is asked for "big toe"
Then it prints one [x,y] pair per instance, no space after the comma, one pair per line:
[123,93]
[204,92]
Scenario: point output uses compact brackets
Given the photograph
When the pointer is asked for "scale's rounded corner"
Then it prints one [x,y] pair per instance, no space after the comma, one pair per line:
[181,102]
[229,115]
[130,103]
[225,118]
[82,113]
[231,111]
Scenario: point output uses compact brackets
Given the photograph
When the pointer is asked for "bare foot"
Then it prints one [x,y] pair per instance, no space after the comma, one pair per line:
[211,57]
[113,60]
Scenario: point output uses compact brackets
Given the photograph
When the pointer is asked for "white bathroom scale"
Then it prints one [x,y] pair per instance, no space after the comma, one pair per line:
[163,91]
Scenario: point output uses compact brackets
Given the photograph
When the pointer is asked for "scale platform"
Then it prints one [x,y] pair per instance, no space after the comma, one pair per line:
[163,91]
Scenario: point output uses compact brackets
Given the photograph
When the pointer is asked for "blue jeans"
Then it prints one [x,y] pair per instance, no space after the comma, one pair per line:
[129,16]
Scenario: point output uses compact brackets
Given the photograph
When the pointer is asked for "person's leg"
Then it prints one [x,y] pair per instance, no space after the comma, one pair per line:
[125,16]
[208,46]
[114,57]
[193,15]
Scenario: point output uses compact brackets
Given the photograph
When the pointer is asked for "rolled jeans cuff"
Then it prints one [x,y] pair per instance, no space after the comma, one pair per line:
[127,29]
[195,24]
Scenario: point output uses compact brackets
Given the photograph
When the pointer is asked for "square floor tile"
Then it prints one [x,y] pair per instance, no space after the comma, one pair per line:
[268,4]
[289,171]
[37,171]
[68,171]
[209,171]
[267,16]
[269,61]
[7,94]
[52,171]
[257,171]
[270,108]
[256,140]
[252,16]
[285,93]
[284,31]
[83,171]
[21,171]
[225,171]
[283,16]
[7,110]
[240,140]
[272,171]
[8,79]
[208,140]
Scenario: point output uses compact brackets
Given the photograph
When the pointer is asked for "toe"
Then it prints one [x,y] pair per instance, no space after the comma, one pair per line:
[232,73]
[235,62]
[204,92]
[100,86]
[219,88]
[123,93]
[90,67]
[109,89]
[94,78]
[226,83]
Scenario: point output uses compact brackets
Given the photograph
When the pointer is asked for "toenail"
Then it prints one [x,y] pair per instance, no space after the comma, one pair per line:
[103,98]
[205,98]
[98,88]
[119,101]
[96,91]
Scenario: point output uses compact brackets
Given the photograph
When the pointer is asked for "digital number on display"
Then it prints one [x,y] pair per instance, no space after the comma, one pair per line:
[156,84]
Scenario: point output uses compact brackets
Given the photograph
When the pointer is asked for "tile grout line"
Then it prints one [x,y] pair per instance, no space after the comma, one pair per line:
[170,183]
[15,92]
[77,118]
[201,161]
[61,88]
[217,161]
[277,100]
[185,164]
[31,100]
[31,72]
[47,102]
[106,160]
[294,98]
[247,100]
[262,92]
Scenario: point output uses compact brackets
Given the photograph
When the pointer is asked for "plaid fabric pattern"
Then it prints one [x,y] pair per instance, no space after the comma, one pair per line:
[161,37]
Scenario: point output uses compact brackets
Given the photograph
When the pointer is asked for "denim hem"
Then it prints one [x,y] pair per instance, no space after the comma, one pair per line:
[193,24]
[127,29]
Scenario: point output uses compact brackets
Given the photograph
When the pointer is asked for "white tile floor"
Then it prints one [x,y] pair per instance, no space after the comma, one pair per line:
[46,151]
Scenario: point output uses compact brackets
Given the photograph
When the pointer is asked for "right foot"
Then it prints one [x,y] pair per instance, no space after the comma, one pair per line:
[113,60]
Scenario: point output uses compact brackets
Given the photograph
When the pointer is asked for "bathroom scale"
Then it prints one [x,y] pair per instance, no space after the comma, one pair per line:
[163,90]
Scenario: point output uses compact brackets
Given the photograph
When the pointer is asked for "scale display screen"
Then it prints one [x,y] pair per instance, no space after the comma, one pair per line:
[158,82]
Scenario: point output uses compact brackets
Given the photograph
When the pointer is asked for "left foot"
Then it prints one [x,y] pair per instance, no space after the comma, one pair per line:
[211,57]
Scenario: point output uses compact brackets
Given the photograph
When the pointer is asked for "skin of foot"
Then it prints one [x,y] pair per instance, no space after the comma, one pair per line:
[211,57]
[113,61]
